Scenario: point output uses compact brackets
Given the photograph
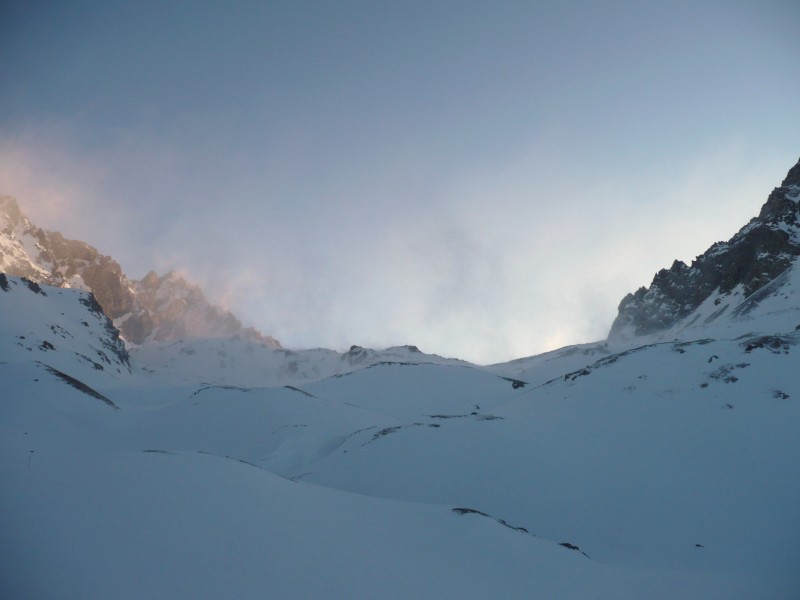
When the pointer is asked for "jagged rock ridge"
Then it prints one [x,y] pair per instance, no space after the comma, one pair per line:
[761,251]
[156,308]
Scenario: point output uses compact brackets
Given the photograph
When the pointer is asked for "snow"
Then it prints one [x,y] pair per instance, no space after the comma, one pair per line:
[15,250]
[224,468]
[634,471]
[183,525]
[239,361]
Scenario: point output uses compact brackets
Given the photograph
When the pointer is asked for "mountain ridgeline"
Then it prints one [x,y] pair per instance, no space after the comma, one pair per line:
[660,464]
[760,252]
[155,308]
[168,308]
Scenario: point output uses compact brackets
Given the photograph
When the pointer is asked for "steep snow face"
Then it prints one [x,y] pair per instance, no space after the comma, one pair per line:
[156,308]
[665,470]
[59,329]
[759,253]
[775,307]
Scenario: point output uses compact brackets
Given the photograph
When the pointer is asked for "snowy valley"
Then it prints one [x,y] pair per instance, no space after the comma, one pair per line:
[662,462]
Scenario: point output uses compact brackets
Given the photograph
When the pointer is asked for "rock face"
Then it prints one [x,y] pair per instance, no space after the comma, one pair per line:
[763,249]
[157,308]
[168,308]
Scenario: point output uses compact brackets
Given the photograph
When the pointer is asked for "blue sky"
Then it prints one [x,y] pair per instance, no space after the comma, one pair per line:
[482,179]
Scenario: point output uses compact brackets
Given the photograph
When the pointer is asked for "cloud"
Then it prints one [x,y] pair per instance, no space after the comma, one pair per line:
[63,187]
[567,247]
[54,184]
[510,259]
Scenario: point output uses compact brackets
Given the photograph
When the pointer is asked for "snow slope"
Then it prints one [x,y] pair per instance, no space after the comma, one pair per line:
[660,469]
[625,460]
[241,361]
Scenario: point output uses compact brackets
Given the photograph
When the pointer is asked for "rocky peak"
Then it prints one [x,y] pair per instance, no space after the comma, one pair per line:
[10,212]
[149,281]
[170,308]
[782,205]
[762,250]
[792,177]
[164,308]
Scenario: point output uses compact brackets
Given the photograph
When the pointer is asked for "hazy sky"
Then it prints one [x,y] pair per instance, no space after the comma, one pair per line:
[485,180]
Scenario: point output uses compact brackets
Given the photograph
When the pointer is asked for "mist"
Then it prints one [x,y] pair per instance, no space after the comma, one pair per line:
[477,183]
[540,265]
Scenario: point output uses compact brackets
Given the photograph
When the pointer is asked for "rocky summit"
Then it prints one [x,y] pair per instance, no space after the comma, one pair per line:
[753,258]
[157,308]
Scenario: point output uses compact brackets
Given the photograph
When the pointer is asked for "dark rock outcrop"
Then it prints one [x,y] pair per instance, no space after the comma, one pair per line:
[762,250]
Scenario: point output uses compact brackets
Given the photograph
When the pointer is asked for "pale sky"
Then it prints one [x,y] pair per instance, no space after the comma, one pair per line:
[485,180]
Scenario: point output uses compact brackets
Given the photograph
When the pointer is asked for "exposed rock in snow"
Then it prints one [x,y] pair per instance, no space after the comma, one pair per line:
[759,253]
[164,308]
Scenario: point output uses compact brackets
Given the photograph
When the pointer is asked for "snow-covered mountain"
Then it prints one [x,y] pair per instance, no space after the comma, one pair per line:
[656,464]
[165,308]
[60,329]
[720,279]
